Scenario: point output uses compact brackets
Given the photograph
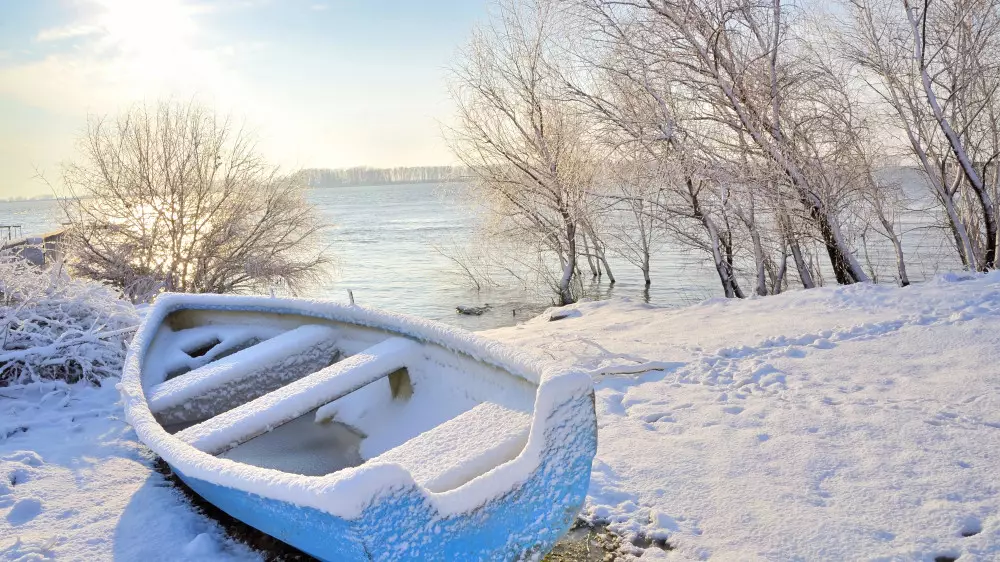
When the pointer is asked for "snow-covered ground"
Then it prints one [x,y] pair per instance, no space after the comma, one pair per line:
[845,423]
[76,485]
[849,423]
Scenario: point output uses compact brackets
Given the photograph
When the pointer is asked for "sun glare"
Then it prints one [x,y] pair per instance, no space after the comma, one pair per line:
[154,35]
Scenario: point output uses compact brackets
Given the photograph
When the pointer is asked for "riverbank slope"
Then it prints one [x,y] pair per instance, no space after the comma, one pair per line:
[842,423]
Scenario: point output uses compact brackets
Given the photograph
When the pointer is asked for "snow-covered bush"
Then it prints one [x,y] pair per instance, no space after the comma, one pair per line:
[53,326]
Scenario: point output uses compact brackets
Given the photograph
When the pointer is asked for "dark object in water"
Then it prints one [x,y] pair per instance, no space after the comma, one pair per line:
[563,314]
[474,310]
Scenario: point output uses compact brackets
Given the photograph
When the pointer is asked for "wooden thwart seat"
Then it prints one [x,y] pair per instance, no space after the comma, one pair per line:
[306,394]
[180,390]
[463,447]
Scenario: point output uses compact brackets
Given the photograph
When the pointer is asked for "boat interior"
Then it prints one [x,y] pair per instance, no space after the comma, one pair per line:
[311,396]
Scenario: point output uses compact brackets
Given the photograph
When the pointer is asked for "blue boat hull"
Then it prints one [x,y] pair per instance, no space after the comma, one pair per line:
[401,524]
[515,511]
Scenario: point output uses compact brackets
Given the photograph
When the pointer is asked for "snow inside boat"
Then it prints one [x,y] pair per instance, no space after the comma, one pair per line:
[357,434]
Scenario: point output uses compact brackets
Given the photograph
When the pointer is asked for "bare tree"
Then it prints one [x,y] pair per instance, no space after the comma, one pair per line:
[734,127]
[967,30]
[702,83]
[736,54]
[640,124]
[935,65]
[527,153]
[637,227]
[174,197]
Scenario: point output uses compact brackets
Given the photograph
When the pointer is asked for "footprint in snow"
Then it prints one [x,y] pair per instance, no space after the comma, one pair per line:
[24,511]
[733,410]
[664,417]
[971,527]
[12,476]
[613,403]
[15,477]
[885,536]
[29,458]
[18,476]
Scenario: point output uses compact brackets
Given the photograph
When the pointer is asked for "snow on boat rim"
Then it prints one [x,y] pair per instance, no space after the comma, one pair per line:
[346,493]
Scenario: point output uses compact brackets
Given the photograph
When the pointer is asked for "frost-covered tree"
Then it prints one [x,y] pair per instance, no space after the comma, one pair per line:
[528,154]
[638,227]
[761,128]
[936,67]
[174,197]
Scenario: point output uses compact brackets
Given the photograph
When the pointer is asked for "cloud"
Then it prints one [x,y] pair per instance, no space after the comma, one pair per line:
[118,52]
[71,31]
[70,86]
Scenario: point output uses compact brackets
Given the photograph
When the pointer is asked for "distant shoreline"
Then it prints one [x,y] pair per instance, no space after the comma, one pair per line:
[28,199]
[45,198]
[382,183]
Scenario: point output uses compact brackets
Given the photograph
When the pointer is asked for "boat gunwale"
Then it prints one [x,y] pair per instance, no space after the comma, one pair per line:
[346,493]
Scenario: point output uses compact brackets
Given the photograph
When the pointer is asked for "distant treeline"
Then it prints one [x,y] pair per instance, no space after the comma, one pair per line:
[18,198]
[362,175]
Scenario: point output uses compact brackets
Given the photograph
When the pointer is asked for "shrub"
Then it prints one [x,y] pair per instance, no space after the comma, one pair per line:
[56,327]
[174,197]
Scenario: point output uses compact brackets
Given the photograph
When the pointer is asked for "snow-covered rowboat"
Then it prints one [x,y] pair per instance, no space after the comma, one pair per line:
[356,434]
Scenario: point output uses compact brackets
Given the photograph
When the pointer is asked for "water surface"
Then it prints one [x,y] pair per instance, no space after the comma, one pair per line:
[386,241]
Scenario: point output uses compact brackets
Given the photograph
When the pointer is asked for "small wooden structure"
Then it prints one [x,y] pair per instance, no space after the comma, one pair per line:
[10,232]
[39,250]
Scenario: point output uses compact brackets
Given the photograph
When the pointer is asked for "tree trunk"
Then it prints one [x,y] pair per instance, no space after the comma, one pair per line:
[800,265]
[989,221]
[594,272]
[645,267]
[897,245]
[729,287]
[601,256]
[727,245]
[569,267]
[758,257]
[845,267]
[604,261]
[904,280]
[779,279]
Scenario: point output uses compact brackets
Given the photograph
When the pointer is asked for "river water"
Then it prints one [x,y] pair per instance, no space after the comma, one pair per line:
[385,242]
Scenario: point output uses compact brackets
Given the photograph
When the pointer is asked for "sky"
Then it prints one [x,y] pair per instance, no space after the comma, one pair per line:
[322,83]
